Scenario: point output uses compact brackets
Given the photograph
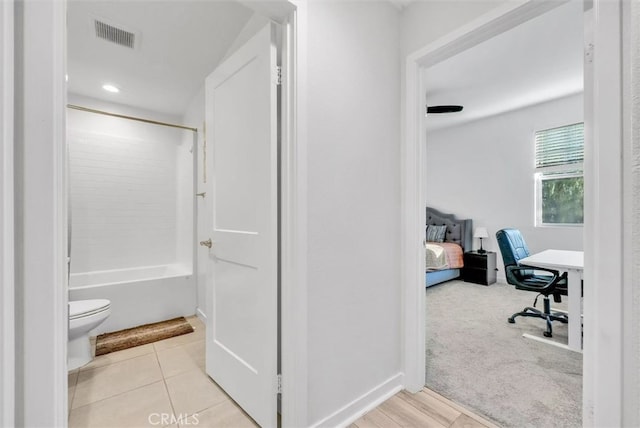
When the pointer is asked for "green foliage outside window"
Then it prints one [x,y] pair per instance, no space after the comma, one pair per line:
[559,154]
[563,200]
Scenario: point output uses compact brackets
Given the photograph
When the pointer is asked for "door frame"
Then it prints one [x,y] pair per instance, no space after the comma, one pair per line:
[46,395]
[603,397]
[293,219]
[7,323]
[293,206]
[40,250]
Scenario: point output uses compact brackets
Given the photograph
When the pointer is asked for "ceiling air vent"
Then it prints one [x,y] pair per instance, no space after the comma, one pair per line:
[114,34]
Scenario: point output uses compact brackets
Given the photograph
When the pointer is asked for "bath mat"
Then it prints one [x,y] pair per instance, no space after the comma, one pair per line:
[136,336]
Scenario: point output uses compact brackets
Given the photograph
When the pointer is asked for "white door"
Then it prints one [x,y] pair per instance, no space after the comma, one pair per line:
[242,283]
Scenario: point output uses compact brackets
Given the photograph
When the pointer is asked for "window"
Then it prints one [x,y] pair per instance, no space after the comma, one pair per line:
[559,178]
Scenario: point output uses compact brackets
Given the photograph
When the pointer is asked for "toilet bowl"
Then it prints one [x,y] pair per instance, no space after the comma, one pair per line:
[84,316]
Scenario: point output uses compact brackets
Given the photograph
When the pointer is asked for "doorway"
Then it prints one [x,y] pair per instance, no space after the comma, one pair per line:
[232,13]
[607,27]
[532,80]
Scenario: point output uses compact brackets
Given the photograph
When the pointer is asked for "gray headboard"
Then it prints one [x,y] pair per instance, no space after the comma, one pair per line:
[458,231]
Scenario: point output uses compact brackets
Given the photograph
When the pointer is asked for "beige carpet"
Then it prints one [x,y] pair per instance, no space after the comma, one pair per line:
[136,336]
[477,359]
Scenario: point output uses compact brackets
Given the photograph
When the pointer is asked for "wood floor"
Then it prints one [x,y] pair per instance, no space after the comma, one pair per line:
[424,409]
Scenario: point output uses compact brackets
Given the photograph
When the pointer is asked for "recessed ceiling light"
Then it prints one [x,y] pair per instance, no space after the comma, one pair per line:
[110,88]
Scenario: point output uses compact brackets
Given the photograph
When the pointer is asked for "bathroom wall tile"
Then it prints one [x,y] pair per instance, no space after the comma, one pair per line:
[197,335]
[130,409]
[109,176]
[108,381]
[182,359]
[194,391]
[114,357]
[225,415]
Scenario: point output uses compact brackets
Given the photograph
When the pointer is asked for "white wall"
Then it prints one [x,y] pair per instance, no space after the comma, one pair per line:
[484,170]
[353,202]
[256,23]
[131,191]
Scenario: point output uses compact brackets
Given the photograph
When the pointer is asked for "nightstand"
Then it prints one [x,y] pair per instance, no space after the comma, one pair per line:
[479,268]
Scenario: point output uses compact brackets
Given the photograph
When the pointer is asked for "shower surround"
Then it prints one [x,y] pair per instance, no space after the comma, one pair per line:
[131,211]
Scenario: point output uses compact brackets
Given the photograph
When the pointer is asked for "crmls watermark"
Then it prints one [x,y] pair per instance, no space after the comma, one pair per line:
[163,419]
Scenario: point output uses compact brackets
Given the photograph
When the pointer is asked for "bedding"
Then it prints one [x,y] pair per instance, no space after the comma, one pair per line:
[444,261]
[435,257]
[443,255]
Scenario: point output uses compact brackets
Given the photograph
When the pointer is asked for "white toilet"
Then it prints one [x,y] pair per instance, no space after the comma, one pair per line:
[84,316]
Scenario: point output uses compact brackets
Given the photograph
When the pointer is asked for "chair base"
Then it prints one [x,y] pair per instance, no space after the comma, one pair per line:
[546,314]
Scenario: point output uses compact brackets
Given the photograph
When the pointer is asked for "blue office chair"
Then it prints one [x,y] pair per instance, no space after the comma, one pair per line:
[513,249]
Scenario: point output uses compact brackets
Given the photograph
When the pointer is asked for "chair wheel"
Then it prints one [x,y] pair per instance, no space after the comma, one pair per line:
[511,321]
[547,334]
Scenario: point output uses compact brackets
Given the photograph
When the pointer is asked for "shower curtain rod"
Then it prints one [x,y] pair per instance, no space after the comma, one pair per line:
[122,116]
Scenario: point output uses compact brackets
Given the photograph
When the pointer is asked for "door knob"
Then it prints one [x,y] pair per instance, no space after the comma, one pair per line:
[207,243]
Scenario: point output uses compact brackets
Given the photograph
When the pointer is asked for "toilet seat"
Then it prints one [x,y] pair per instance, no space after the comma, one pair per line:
[85,308]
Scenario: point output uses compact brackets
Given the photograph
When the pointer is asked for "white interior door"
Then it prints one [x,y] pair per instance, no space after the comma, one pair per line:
[242,289]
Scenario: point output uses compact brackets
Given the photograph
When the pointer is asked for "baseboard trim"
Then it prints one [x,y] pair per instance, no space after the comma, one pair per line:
[363,404]
[201,316]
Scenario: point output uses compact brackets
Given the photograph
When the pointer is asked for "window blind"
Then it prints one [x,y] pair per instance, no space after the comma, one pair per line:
[560,146]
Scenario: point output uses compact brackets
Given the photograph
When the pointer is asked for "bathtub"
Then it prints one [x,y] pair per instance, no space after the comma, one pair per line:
[138,295]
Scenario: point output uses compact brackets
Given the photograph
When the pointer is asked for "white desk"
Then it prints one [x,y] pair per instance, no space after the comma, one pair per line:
[571,262]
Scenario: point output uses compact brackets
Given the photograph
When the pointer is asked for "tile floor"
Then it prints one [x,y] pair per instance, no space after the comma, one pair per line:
[137,386]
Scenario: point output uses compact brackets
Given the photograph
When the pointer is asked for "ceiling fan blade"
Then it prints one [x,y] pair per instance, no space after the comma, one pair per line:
[443,109]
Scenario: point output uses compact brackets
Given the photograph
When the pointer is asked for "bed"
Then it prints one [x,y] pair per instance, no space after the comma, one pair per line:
[444,259]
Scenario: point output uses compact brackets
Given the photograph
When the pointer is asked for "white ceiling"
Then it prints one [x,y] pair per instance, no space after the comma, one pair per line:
[537,61]
[180,43]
